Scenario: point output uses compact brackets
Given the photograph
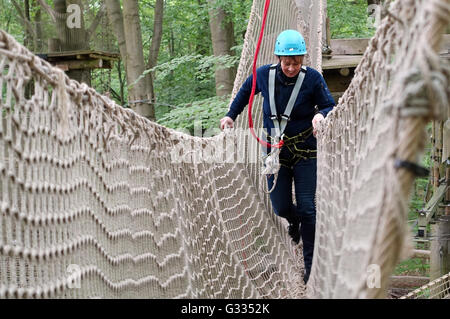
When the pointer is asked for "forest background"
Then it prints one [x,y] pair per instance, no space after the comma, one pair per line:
[192,38]
[178,57]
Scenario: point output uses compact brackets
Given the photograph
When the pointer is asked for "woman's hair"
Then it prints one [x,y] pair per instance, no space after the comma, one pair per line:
[296,58]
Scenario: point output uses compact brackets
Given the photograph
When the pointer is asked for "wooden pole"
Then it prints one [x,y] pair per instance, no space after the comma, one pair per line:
[446,159]
[447,194]
[439,147]
[328,32]
[54,45]
[435,154]
[440,257]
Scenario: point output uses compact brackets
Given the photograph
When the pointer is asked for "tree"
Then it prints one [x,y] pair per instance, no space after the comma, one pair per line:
[222,35]
[30,39]
[68,16]
[155,45]
[132,54]
[76,37]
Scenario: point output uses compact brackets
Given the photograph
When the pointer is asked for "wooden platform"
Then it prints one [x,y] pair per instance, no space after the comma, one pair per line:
[347,53]
[340,61]
[81,60]
[339,67]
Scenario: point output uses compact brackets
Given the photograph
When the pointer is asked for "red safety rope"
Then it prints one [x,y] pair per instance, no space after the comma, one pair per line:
[252,95]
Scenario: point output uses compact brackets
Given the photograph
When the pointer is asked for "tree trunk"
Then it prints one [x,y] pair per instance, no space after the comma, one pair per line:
[201,46]
[116,20]
[74,38]
[78,41]
[137,92]
[61,27]
[25,20]
[28,37]
[38,28]
[222,35]
[155,45]
[121,81]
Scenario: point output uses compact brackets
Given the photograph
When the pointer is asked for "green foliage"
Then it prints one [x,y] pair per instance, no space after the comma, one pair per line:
[417,266]
[190,76]
[413,267]
[204,114]
[204,66]
[350,19]
[186,65]
[417,201]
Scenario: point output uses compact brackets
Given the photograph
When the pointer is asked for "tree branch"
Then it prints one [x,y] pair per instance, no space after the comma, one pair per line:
[101,12]
[47,8]
[27,23]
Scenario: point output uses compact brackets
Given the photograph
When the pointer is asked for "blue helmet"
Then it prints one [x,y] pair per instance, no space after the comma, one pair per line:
[290,42]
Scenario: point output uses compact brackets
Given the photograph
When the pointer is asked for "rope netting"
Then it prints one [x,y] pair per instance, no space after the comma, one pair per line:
[363,188]
[97,201]
[437,289]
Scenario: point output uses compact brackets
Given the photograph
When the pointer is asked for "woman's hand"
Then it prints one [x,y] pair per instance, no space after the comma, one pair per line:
[316,119]
[226,122]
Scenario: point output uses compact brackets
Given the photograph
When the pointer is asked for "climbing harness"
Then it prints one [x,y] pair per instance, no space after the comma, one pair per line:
[291,144]
[280,126]
[272,160]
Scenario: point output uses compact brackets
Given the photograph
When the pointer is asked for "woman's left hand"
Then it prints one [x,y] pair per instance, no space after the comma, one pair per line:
[317,118]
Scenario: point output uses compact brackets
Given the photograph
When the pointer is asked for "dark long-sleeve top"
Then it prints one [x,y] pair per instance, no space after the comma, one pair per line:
[314,91]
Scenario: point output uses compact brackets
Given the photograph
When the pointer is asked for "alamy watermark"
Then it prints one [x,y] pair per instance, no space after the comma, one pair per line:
[74,279]
[73,20]
[373,279]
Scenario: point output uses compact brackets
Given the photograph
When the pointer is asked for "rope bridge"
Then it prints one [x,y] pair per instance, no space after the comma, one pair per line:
[97,201]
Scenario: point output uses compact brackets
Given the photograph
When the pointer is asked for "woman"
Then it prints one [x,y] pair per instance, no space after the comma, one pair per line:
[298,154]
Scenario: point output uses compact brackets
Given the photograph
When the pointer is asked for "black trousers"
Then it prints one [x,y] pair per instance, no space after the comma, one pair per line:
[304,175]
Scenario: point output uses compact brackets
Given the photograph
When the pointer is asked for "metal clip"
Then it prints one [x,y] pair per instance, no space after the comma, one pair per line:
[274,117]
[416,169]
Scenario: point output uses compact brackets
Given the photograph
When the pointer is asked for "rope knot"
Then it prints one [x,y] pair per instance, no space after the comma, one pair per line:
[63,107]
[424,94]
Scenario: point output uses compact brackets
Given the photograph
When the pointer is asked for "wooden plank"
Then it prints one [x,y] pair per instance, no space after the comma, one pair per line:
[426,214]
[341,62]
[419,253]
[408,281]
[447,193]
[431,207]
[445,46]
[349,46]
[83,64]
[358,46]
[446,134]
[104,57]
[82,52]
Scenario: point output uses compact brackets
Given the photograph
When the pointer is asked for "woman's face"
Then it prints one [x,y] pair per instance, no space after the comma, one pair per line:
[291,65]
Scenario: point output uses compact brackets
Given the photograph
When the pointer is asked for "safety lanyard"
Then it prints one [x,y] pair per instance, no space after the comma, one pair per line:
[280,126]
